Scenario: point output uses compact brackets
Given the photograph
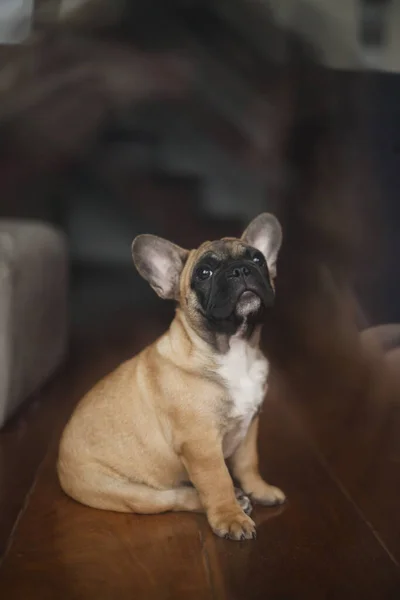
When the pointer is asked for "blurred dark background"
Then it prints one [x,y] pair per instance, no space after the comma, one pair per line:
[187,118]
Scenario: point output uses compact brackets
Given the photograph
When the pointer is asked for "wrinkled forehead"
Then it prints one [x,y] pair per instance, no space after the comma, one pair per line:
[220,249]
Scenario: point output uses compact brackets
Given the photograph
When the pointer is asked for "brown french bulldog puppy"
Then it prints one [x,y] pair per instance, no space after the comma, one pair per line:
[166,429]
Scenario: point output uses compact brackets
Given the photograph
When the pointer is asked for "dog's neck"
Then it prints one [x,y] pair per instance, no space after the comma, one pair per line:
[209,342]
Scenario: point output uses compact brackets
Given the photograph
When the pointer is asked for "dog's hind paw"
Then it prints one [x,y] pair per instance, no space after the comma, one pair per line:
[244,501]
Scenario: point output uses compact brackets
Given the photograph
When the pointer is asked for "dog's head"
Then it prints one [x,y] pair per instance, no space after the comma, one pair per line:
[223,283]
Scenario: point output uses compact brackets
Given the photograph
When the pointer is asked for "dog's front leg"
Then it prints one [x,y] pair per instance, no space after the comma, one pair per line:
[244,466]
[204,461]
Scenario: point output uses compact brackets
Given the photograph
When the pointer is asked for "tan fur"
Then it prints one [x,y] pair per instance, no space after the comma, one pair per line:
[156,423]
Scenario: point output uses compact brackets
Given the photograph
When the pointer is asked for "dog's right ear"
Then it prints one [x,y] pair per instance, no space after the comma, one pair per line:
[265,234]
[160,262]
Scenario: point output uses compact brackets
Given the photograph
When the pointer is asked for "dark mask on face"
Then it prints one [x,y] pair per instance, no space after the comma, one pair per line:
[231,289]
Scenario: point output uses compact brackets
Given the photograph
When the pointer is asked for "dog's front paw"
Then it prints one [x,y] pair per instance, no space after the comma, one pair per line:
[267,495]
[233,525]
[244,501]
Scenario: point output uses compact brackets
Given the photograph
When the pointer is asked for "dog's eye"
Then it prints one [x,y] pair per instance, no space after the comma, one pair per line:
[203,273]
[258,259]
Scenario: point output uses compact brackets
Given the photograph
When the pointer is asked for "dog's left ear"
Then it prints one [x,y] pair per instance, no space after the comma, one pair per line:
[161,263]
[265,234]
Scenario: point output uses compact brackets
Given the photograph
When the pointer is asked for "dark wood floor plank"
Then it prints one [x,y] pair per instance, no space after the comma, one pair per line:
[25,440]
[65,550]
[317,546]
[358,435]
[23,444]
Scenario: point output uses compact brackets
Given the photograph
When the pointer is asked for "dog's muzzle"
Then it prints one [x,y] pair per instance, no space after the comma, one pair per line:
[241,288]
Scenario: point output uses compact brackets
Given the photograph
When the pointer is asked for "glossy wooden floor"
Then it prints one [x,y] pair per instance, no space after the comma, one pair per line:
[337,537]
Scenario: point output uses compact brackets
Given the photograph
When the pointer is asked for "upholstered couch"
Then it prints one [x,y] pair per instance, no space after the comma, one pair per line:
[33,308]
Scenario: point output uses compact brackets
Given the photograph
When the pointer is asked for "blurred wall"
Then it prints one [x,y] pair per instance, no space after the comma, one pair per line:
[332,27]
[15,20]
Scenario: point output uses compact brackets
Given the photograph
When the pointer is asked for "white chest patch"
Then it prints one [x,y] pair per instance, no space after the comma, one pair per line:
[244,370]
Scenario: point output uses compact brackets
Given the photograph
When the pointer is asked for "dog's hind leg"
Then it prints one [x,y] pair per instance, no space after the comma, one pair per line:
[121,495]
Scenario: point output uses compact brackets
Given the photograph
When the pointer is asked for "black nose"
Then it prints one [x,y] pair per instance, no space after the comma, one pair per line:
[239,271]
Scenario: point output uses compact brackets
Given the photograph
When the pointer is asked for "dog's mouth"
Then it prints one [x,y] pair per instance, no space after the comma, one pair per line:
[249,303]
